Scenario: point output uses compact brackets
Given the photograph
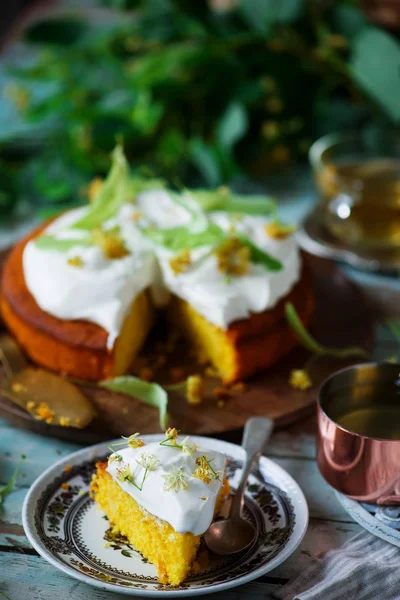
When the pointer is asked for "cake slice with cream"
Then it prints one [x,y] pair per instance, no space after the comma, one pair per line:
[162,497]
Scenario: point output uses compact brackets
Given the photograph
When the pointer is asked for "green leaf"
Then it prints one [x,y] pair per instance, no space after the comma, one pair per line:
[49,242]
[311,344]
[220,199]
[148,393]
[180,238]
[261,14]
[301,333]
[146,113]
[348,19]
[258,256]
[8,487]
[166,63]
[114,192]
[375,63]
[205,160]
[233,126]
[126,553]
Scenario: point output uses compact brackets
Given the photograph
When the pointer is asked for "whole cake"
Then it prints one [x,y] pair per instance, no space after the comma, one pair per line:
[81,293]
[162,497]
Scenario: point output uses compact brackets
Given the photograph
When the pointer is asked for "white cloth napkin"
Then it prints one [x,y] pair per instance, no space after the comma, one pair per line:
[364,568]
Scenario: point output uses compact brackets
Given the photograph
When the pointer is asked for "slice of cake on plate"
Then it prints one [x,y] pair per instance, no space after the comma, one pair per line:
[162,497]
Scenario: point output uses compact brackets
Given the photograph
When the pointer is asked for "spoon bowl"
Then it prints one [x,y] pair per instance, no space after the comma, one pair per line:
[230,536]
[234,534]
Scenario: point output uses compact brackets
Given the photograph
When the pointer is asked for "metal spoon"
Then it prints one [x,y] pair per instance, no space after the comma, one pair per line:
[234,534]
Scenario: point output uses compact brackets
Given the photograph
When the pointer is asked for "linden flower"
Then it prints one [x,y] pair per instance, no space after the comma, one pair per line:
[278,231]
[148,461]
[114,457]
[75,261]
[189,448]
[134,441]
[194,389]
[124,474]
[233,257]
[300,379]
[176,480]
[204,471]
[181,262]
[172,433]
[110,242]
[204,474]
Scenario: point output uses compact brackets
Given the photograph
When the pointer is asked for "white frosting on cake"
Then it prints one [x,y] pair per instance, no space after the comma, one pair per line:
[186,510]
[102,290]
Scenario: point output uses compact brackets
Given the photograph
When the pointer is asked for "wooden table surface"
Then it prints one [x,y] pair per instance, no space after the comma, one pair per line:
[26,576]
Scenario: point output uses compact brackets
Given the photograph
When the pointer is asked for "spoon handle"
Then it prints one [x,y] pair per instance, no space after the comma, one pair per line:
[257,432]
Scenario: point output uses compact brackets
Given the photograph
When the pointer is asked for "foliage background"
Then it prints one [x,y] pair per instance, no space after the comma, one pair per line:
[201,91]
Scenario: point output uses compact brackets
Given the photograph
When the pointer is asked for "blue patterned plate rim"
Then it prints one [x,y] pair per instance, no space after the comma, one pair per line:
[368,521]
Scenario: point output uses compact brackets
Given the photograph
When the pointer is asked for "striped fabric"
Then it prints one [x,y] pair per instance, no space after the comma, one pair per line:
[364,568]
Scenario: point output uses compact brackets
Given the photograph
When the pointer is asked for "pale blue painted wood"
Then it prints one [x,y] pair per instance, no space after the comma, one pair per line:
[31,578]
[40,453]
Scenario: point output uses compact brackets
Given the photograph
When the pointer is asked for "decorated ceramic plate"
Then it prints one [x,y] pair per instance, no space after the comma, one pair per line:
[381,521]
[67,528]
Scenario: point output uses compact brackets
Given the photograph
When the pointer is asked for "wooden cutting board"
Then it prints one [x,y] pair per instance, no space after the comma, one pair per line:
[342,318]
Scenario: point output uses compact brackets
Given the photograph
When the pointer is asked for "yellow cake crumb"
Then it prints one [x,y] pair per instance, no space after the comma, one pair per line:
[194,389]
[18,387]
[181,262]
[278,231]
[75,261]
[44,413]
[300,379]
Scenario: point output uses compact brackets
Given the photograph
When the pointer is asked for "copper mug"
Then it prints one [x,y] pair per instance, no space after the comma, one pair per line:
[361,467]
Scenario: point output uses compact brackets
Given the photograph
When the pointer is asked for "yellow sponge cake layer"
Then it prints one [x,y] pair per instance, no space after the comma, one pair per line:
[248,345]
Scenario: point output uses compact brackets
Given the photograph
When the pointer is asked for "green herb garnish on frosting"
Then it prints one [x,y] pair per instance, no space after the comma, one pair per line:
[223,199]
[112,194]
[49,242]
[258,256]
[185,237]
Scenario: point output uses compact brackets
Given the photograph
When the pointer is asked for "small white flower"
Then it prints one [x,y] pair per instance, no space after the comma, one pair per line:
[148,461]
[189,448]
[176,480]
[124,474]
